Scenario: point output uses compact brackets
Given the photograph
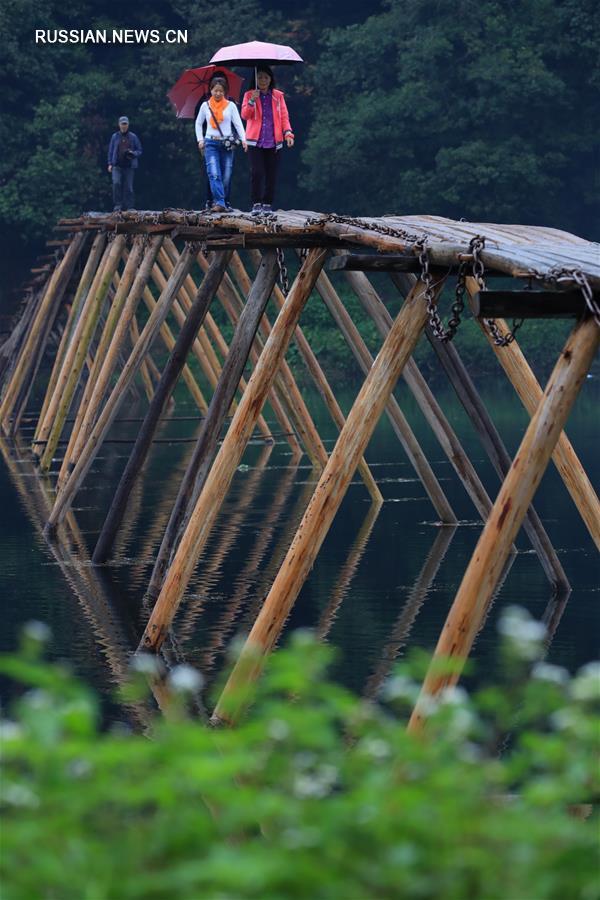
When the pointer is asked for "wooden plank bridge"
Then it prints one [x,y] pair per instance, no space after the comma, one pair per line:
[81,309]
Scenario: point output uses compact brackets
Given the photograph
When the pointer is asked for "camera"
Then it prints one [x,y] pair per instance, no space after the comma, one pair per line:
[231,143]
[129,154]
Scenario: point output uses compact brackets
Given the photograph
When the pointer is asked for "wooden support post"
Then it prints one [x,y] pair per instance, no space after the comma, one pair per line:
[167,383]
[297,408]
[434,415]
[205,449]
[83,288]
[207,357]
[32,350]
[230,453]
[564,457]
[329,493]
[472,600]
[398,422]
[106,418]
[73,364]
[170,342]
[320,380]
[232,304]
[99,377]
[76,356]
[145,375]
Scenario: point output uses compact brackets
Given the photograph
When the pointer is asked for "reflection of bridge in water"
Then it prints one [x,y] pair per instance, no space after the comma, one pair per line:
[83,308]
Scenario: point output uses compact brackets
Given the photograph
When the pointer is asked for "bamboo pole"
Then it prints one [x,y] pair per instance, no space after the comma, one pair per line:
[472,600]
[564,457]
[297,408]
[82,339]
[230,453]
[329,493]
[167,383]
[83,288]
[204,452]
[112,405]
[33,346]
[433,413]
[395,415]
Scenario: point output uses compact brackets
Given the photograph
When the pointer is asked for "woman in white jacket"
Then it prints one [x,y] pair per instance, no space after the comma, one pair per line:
[223,124]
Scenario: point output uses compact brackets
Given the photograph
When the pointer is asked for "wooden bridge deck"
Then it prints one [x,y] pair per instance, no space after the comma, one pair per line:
[509,249]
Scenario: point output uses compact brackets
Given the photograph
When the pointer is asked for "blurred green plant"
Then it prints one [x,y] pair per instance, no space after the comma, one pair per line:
[321,796]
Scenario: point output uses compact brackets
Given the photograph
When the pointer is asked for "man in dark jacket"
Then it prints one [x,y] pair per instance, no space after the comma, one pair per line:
[123,153]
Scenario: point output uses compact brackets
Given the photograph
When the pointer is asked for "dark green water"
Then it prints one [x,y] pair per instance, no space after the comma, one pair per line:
[364,594]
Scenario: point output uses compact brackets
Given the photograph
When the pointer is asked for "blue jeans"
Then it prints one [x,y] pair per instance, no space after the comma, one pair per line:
[219,167]
[122,185]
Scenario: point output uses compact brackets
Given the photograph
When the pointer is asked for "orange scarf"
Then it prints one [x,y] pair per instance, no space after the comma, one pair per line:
[218,108]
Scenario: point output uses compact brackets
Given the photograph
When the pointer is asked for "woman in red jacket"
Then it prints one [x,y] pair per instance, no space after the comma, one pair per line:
[268,126]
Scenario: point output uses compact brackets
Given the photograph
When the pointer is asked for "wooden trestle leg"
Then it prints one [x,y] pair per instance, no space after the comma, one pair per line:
[564,457]
[163,392]
[230,453]
[204,451]
[112,405]
[327,497]
[472,600]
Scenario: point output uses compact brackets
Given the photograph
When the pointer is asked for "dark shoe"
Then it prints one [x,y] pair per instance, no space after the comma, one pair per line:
[267,208]
[218,208]
[228,207]
[256,209]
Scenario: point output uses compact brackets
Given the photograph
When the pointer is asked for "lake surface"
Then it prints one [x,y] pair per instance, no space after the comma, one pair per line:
[383,582]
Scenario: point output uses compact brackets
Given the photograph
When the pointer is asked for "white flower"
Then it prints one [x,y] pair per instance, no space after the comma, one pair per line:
[37,631]
[399,687]
[523,632]
[185,680]
[10,731]
[20,795]
[586,684]
[278,730]
[375,747]
[547,672]
[146,664]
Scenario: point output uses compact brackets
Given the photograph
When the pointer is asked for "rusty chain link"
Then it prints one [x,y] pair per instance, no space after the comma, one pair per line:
[561,275]
[477,244]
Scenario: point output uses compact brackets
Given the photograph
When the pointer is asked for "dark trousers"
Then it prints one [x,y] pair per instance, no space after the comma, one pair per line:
[122,185]
[263,173]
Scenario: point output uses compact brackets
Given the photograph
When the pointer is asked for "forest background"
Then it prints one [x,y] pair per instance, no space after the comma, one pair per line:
[474,109]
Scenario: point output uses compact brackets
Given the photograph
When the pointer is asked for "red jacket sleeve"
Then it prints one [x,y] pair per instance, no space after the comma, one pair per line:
[285,117]
[249,110]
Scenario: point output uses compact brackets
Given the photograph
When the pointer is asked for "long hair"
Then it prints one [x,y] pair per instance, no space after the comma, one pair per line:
[269,72]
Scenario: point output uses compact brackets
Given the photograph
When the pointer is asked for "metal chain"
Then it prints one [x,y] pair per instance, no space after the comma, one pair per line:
[269,220]
[477,244]
[559,275]
[442,334]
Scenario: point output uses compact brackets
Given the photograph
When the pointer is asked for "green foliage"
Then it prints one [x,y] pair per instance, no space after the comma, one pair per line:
[462,109]
[321,796]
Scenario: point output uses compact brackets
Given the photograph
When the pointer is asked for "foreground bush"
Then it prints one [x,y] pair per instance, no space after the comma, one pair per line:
[322,796]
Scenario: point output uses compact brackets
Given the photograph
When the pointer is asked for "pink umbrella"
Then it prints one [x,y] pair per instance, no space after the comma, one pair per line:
[255,53]
[193,86]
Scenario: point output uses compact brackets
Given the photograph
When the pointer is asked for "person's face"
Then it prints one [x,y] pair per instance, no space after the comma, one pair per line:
[263,80]
[217,91]
[123,127]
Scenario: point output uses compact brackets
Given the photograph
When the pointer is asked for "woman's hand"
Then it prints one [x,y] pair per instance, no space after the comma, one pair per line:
[289,139]
[255,94]
[110,168]
[245,146]
[201,147]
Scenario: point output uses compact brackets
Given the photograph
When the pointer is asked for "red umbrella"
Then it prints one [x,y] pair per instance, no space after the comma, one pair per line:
[255,53]
[194,85]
